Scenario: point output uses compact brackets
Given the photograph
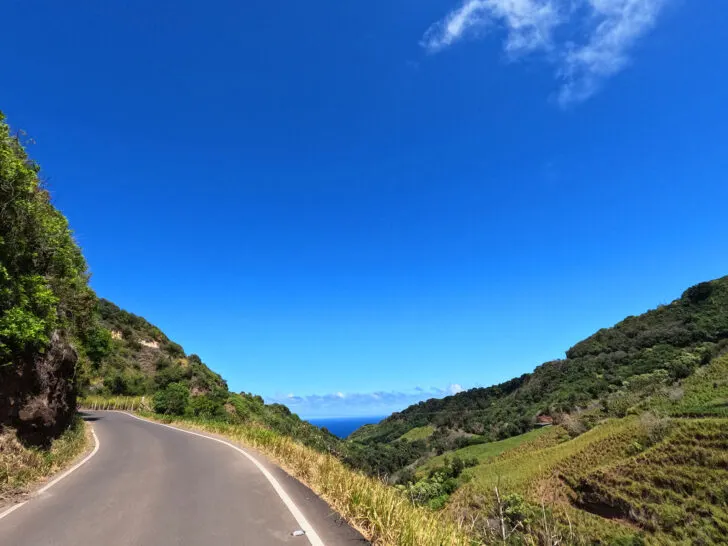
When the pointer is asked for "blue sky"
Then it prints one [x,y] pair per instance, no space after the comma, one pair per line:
[351,206]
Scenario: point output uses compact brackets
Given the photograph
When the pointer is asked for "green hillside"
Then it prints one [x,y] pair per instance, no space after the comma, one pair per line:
[138,358]
[625,441]
[654,476]
[133,357]
[675,339]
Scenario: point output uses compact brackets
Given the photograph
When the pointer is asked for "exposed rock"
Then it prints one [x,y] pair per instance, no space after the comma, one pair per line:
[38,395]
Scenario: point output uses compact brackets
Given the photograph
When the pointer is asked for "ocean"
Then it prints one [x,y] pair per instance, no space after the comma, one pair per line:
[343,426]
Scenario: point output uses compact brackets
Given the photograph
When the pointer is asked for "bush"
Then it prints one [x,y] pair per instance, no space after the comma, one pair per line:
[98,345]
[516,511]
[207,407]
[656,427]
[173,400]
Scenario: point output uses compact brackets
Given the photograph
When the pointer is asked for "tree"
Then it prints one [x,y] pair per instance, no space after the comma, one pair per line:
[98,345]
[172,400]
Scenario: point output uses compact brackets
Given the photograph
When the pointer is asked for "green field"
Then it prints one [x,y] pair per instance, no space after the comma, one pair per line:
[483,452]
[418,433]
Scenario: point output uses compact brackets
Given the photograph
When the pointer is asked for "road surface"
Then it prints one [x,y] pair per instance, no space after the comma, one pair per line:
[156,486]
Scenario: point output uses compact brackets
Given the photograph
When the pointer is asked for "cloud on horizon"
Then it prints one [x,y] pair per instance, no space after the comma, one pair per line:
[601,34]
[340,404]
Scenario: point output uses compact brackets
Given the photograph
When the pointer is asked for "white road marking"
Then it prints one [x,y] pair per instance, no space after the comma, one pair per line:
[311,534]
[57,479]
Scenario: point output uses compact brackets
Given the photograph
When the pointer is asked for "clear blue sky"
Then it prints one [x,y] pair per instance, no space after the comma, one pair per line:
[354,205]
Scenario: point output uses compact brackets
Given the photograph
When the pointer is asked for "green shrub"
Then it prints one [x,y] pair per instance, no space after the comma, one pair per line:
[206,407]
[98,345]
[172,400]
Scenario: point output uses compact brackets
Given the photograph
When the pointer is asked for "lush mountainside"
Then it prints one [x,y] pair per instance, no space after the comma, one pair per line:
[657,475]
[672,340]
[133,357]
[46,306]
[137,358]
[625,441]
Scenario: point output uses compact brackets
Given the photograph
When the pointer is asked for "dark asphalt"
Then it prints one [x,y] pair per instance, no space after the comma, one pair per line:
[152,485]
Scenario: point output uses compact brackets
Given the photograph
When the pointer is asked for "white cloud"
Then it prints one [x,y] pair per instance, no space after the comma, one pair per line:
[621,23]
[530,23]
[367,403]
[454,389]
[608,29]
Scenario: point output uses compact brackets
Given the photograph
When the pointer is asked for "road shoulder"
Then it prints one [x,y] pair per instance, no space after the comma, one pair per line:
[13,499]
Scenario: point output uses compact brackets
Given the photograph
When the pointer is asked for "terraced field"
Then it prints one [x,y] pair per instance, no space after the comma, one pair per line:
[657,476]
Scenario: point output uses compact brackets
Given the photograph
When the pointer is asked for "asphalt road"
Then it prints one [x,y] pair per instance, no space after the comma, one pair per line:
[156,486]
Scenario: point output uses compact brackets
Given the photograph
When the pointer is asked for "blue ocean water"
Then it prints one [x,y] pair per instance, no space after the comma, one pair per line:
[343,426]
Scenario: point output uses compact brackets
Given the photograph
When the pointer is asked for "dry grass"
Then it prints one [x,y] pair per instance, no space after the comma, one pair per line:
[125,403]
[22,467]
[380,512]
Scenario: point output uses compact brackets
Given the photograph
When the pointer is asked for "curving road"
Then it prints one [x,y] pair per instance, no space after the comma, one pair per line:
[157,486]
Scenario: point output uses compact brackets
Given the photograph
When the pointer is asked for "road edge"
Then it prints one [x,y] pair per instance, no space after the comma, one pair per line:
[57,479]
[293,508]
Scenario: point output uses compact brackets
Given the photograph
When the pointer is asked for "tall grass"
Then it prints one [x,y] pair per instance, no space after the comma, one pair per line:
[124,403]
[21,467]
[380,512]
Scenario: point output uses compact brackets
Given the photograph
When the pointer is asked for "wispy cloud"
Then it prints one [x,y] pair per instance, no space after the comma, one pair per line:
[340,404]
[606,29]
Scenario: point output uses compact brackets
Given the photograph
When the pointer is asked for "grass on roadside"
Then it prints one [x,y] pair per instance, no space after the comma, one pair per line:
[21,467]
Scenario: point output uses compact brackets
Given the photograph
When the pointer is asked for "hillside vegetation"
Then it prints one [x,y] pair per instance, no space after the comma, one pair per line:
[625,441]
[652,476]
[138,358]
[610,366]
[46,306]
[134,358]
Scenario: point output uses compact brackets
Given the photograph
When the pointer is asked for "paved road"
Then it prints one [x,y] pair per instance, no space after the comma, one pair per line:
[152,485]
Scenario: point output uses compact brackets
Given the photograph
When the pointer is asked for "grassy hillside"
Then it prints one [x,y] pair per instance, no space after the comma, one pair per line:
[137,358]
[654,475]
[623,442]
[675,339]
[418,433]
[484,452]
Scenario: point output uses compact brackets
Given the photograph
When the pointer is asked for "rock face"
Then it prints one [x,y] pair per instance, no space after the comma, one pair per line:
[37,395]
